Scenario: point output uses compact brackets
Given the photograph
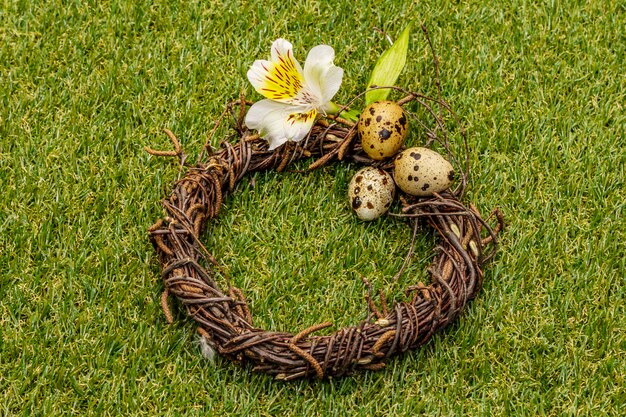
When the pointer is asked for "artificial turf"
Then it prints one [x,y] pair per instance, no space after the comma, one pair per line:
[84,86]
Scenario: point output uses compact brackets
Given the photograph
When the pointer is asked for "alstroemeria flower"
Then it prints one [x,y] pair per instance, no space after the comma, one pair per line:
[293,97]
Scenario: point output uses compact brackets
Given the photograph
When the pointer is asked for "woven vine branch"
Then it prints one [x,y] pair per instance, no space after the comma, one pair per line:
[191,273]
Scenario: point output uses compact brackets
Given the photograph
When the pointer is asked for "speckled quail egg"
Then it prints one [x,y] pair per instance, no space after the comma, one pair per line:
[422,172]
[371,192]
[383,126]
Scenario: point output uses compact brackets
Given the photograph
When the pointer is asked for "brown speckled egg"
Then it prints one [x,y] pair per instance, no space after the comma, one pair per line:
[383,126]
[371,192]
[422,172]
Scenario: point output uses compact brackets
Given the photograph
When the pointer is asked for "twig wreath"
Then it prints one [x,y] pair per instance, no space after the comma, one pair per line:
[299,121]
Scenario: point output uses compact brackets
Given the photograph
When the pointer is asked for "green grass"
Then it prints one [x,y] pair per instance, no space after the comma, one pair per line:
[84,86]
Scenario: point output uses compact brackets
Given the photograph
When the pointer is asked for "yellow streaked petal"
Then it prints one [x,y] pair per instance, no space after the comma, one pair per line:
[298,125]
[282,81]
[281,78]
[307,117]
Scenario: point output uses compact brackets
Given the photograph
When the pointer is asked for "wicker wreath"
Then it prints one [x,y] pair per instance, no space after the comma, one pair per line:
[189,271]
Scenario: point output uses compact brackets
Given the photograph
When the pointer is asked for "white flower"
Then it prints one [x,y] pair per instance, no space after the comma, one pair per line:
[293,96]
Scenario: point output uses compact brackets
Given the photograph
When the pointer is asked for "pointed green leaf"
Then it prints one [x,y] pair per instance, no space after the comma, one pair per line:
[352,115]
[388,68]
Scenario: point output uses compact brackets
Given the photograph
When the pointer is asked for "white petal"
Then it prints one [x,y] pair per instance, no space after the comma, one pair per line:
[259,111]
[321,76]
[331,84]
[278,122]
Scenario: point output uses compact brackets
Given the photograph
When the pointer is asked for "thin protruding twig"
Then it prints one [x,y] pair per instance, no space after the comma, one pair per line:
[166,308]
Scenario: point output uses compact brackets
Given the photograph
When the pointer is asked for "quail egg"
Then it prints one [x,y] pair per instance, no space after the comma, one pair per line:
[371,192]
[383,126]
[422,172]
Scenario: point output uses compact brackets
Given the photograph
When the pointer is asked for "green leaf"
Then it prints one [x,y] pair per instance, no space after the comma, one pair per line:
[388,68]
[352,115]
